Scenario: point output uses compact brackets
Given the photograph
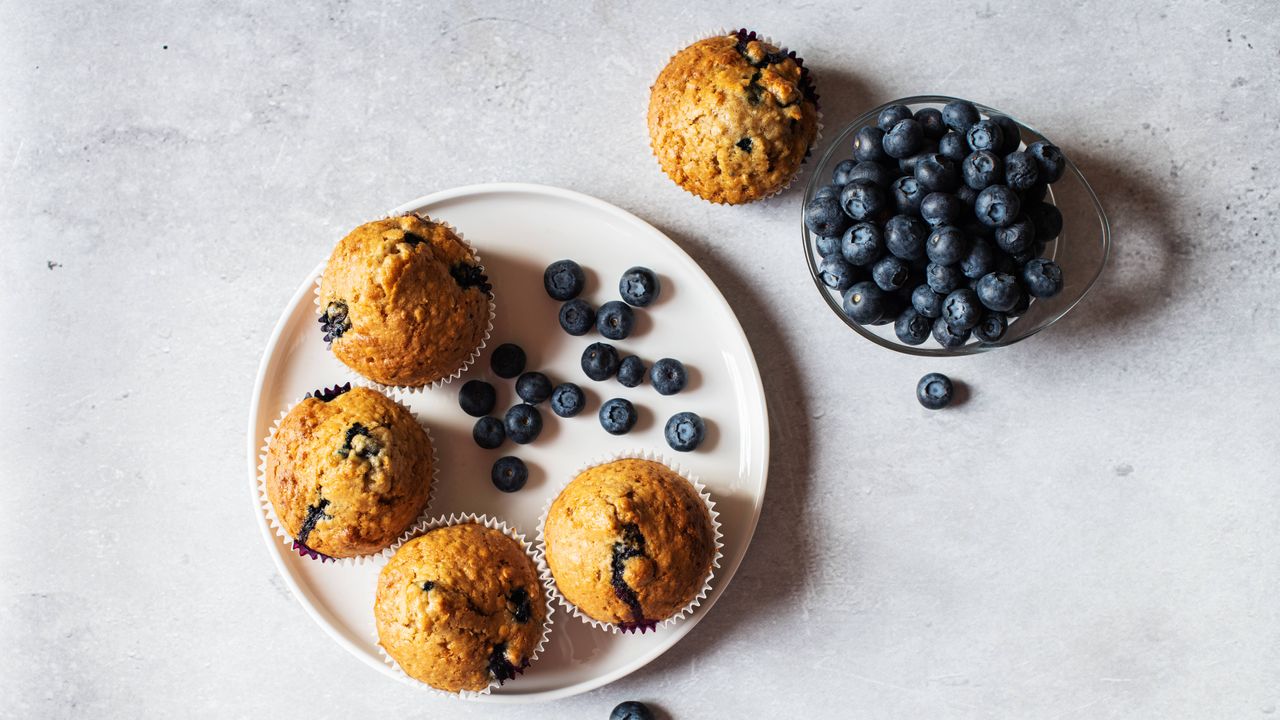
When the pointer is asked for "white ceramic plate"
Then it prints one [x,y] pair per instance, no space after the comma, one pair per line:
[518,230]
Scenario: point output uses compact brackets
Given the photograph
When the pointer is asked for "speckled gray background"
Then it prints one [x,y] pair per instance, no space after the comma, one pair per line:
[1093,535]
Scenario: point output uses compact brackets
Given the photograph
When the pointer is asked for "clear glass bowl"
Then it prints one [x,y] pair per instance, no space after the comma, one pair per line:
[1081,250]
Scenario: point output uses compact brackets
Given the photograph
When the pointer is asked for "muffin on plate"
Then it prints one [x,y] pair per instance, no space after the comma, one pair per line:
[731,118]
[629,543]
[347,475]
[404,301]
[460,608]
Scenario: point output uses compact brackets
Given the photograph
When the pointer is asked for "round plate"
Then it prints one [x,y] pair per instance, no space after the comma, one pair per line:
[518,230]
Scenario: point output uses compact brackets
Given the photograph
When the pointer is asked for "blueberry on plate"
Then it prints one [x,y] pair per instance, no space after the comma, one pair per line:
[934,391]
[1047,220]
[904,139]
[477,398]
[936,173]
[947,336]
[890,273]
[868,144]
[931,123]
[835,273]
[962,309]
[862,244]
[509,474]
[872,172]
[668,376]
[615,320]
[685,431]
[618,416]
[824,216]
[828,245]
[980,260]
[907,195]
[568,400]
[985,135]
[941,208]
[1042,277]
[523,423]
[982,169]
[1021,172]
[488,432]
[840,176]
[600,361]
[864,303]
[911,327]
[960,115]
[639,286]
[1010,133]
[563,279]
[927,302]
[991,327]
[998,291]
[891,116]
[1017,237]
[967,195]
[953,146]
[862,199]
[997,206]
[943,279]
[577,317]
[905,236]
[631,371]
[631,710]
[946,245]
[533,387]
[507,360]
[1049,158]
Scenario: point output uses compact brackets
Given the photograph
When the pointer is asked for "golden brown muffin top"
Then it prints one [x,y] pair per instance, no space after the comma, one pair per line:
[459,607]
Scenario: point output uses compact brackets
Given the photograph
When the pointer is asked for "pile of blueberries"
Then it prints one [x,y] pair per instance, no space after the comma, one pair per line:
[937,224]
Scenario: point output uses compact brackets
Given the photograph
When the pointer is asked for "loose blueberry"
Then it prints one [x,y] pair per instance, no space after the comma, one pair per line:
[936,173]
[985,135]
[991,327]
[477,398]
[864,303]
[828,245]
[927,302]
[980,260]
[872,172]
[962,309]
[934,391]
[507,360]
[523,423]
[960,115]
[947,336]
[1010,133]
[1049,158]
[1020,171]
[943,279]
[509,474]
[618,416]
[890,273]
[568,400]
[911,327]
[907,195]
[862,199]
[615,320]
[533,387]
[1047,219]
[577,317]
[836,274]
[563,280]
[1042,277]
[685,431]
[891,116]
[953,146]
[824,216]
[840,175]
[668,376]
[631,710]
[997,206]
[862,244]
[631,371]
[940,208]
[946,245]
[1018,237]
[868,144]
[600,361]
[931,123]
[998,291]
[904,140]
[905,236]
[488,432]
[982,169]
[640,286]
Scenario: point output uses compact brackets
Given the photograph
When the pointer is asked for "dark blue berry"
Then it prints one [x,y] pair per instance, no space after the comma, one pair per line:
[862,199]
[1017,237]
[631,371]
[533,387]
[1020,171]
[890,273]
[943,279]
[631,710]
[563,279]
[1049,158]
[934,391]
[488,432]
[639,286]
[824,216]
[891,116]
[828,191]
[991,327]
[523,423]
[685,431]
[927,302]
[904,139]
[615,320]
[907,195]
[827,245]
[868,144]
[908,165]
[947,336]
[946,245]
[953,146]
[911,327]
[982,169]
[940,208]
[509,474]
[980,260]
[618,416]
[835,273]
[967,195]
[600,361]
[1036,193]
[997,206]
[960,115]
[936,173]
[962,309]
[668,376]
[985,135]
[998,291]
[1043,278]
[477,398]
[577,317]
[568,400]
[862,244]
[1047,220]
[864,303]
[905,236]
[873,172]
[931,123]
[840,175]
[1010,133]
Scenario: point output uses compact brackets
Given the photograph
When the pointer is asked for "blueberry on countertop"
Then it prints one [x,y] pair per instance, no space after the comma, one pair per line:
[600,361]
[862,244]
[615,320]
[937,173]
[931,122]
[618,416]
[960,115]
[836,273]
[889,273]
[962,309]
[934,391]
[997,206]
[1042,277]
[946,245]
[631,372]
[927,302]
[947,336]
[991,327]
[862,199]
[1049,158]
[509,474]
[488,432]
[824,216]
[577,317]
[1016,237]
[911,327]
[998,291]
[864,303]
[982,169]
[953,146]
[1021,171]
[523,423]
[941,208]
[631,710]
[943,279]
[905,236]
[477,398]
[568,400]
[891,116]
[507,360]
[685,431]
[904,139]
[668,376]
[907,194]
[1010,133]
[640,286]
[985,135]
[533,387]
[868,144]
[563,279]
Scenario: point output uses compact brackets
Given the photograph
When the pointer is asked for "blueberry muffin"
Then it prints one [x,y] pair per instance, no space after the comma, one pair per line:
[460,607]
[731,118]
[347,475]
[629,542]
[404,301]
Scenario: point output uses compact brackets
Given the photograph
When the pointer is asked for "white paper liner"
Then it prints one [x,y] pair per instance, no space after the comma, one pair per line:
[654,456]
[817,136]
[466,364]
[492,523]
[288,539]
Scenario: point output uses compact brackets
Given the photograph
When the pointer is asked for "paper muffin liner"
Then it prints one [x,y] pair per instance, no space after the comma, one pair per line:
[817,106]
[457,373]
[424,526]
[549,580]
[274,520]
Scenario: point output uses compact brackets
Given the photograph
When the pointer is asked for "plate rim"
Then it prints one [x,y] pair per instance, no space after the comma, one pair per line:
[724,576]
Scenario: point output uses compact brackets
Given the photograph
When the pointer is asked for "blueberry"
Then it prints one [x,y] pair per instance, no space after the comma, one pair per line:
[890,273]
[1047,220]
[936,173]
[631,710]
[828,191]
[488,432]
[1049,158]
[568,400]
[953,146]
[962,310]
[533,387]
[872,172]
[1006,263]
[960,115]
[927,302]
[976,229]
[1042,277]
[911,327]
[934,391]
[824,216]
[991,327]
[891,116]
[997,206]
[931,123]
[947,336]
[967,195]
[904,140]
[507,360]
[862,244]
[577,317]
[907,195]
[477,398]
[563,279]
[946,245]
[1034,194]
[864,303]
[943,279]
[1010,133]
[982,169]
[908,165]
[509,474]
[1017,237]
[617,416]
[862,199]
[840,176]
[1020,171]
[615,320]
[523,423]
[836,274]
[905,236]
[868,144]
[940,208]
[985,135]
[998,291]
[631,371]
[668,376]
[1024,302]
[685,431]
[600,361]
[639,286]
[828,245]
[980,260]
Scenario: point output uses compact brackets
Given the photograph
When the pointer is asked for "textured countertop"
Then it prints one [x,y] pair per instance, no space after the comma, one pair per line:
[1094,534]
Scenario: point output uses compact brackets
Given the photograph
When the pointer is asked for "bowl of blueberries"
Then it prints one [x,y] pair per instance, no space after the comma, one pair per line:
[937,226]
